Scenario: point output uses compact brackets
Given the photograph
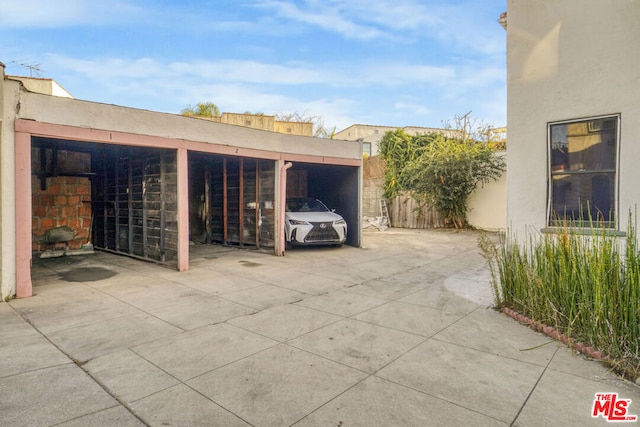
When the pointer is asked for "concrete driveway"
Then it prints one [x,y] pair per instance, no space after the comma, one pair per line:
[399,332]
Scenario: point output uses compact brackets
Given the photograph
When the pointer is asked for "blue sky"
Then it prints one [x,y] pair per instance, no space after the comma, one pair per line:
[379,62]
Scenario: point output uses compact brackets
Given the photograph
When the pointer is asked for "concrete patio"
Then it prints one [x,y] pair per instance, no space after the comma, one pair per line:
[397,333]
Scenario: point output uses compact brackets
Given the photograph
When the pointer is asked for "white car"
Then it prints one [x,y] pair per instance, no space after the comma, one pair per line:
[309,222]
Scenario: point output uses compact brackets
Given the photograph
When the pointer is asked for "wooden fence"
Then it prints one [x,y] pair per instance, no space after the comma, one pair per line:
[404,213]
[487,204]
[403,210]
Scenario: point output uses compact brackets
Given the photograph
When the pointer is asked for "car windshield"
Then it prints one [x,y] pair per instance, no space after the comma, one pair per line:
[305,205]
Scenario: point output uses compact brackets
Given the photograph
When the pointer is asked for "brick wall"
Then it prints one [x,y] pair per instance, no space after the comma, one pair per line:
[65,202]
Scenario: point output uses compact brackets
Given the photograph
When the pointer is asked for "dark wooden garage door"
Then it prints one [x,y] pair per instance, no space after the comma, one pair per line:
[134,200]
[235,203]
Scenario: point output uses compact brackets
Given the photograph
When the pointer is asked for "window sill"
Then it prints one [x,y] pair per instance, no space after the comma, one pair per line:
[584,231]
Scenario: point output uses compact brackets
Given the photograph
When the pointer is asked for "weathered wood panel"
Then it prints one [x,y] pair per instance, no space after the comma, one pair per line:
[135,204]
[405,213]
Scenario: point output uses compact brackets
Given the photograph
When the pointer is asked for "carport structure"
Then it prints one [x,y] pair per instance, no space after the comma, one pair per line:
[147,184]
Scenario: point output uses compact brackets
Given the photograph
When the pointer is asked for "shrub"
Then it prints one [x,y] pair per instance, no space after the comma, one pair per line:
[438,170]
[445,173]
[397,148]
[586,286]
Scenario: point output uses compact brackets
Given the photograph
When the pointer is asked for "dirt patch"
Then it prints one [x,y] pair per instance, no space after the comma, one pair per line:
[87,274]
[249,264]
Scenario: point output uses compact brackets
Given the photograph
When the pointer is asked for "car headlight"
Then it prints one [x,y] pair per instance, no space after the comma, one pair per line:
[297,222]
[339,222]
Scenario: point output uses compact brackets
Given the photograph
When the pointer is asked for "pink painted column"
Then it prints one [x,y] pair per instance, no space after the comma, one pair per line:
[282,202]
[23,214]
[183,209]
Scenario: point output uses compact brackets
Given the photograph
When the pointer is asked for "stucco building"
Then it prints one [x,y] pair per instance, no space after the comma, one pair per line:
[264,122]
[145,184]
[573,113]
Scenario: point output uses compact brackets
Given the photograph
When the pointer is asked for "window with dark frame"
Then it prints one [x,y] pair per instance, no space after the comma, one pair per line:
[583,172]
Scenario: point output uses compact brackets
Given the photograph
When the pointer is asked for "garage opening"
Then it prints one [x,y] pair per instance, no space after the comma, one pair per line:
[114,198]
[134,202]
[231,200]
[336,186]
[123,199]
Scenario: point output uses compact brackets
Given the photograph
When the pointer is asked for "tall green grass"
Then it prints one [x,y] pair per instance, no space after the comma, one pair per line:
[586,286]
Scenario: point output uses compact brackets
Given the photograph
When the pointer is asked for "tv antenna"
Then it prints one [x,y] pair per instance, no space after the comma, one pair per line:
[33,68]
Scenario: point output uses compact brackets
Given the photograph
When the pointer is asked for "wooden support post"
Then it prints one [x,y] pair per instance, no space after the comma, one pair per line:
[130,199]
[163,208]
[241,202]
[182,166]
[105,201]
[225,203]
[257,201]
[207,202]
[116,180]
[145,237]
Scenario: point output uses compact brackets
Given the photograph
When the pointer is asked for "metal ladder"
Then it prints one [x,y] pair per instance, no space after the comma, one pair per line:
[384,212]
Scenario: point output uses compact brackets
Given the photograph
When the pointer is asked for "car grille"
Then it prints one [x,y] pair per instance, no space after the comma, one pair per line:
[321,231]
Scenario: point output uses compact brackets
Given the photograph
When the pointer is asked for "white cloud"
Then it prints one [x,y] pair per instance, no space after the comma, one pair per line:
[457,25]
[396,14]
[415,109]
[466,29]
[360,19]
[492,109]
[240,98]
[50,14]
[412,74]
[245,55]
[110,70]
[325,16]
[382,93]
[233,86]
[107,70]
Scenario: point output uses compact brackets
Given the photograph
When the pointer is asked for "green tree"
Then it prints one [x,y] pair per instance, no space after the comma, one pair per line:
[202,109]
[397,148]
[441,169]
[445,173]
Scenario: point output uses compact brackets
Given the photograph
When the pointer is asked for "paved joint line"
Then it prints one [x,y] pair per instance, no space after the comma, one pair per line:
[184,383]
[80,364]
[62,423]
[513,423]
[333,398]
[453,323]
[219,405]
[437,397]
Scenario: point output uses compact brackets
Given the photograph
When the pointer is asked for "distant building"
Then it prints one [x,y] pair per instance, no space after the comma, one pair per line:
[263,122]
[44,86]
[370,135]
